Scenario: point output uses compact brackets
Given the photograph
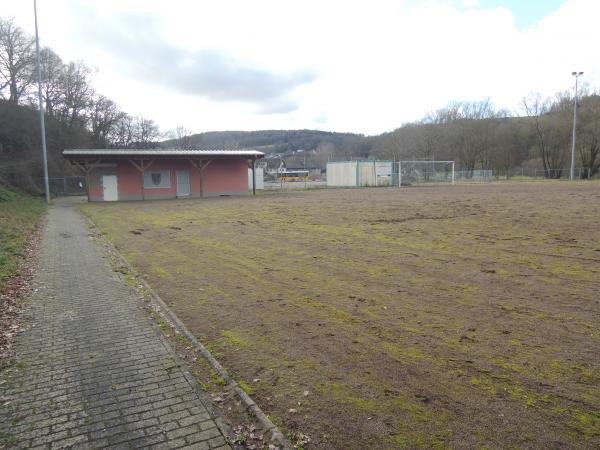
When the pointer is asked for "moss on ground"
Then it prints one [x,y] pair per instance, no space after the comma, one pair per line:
[411,331]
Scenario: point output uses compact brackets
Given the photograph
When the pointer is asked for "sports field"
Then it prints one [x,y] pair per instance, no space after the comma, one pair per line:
[442,317]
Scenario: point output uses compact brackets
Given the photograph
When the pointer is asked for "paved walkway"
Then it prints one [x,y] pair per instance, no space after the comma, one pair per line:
[93,371]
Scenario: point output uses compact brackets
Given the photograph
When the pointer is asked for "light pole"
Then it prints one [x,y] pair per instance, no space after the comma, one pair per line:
[41,105]
[572,173]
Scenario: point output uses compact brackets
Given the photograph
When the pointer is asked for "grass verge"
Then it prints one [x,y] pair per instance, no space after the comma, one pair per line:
[19,215]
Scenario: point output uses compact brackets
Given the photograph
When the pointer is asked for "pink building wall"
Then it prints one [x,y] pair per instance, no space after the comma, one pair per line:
[94,190]
[219,177]
[224,175]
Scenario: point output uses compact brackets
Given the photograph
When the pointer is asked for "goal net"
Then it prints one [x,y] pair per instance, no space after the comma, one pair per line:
[418,172]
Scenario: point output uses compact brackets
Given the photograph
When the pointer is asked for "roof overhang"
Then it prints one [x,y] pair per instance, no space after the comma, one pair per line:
[113,154]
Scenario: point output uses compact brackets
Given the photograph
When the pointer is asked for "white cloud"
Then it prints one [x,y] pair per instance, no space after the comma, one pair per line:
[338,65]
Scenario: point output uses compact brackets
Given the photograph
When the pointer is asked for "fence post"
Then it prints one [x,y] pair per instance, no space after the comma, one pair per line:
[399,174]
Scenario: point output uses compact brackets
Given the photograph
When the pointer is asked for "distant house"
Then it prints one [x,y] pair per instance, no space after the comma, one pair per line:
[130,174]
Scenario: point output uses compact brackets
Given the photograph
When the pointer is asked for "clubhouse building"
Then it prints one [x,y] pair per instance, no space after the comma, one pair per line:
[143,174]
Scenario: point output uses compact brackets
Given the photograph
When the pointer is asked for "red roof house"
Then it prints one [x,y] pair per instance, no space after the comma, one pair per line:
[132,174]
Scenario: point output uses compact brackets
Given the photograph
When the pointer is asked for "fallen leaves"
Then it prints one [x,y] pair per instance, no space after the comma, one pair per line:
[249,437]
[15,290]
[217,398]
[299,440]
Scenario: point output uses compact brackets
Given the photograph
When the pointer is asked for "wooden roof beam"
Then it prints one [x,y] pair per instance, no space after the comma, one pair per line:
[141,166]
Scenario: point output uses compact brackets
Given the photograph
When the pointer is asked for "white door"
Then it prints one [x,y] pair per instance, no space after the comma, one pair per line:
[109,188]
[183,183]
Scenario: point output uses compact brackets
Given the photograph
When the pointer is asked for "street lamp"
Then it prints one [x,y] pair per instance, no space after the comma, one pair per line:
[572,173]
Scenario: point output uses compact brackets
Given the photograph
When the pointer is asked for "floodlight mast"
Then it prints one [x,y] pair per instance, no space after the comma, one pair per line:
[41,105]
[572,172]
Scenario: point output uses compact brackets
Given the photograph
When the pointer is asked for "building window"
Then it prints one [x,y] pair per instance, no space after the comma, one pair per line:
[157,179]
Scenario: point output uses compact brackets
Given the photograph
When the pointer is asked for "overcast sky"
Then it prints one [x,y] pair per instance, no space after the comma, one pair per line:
[359,66]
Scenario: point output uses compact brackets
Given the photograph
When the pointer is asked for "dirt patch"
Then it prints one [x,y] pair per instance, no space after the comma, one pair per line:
[477,329]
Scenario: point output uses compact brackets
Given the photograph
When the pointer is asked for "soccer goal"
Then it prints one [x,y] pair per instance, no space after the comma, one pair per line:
[419,172]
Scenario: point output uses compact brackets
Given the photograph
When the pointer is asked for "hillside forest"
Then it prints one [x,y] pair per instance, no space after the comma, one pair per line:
[473,133]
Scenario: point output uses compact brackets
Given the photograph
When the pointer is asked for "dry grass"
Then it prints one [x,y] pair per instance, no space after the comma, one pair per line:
[463,317]
[19,215]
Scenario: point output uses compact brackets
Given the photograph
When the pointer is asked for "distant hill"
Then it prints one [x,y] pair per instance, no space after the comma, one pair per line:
[279,142]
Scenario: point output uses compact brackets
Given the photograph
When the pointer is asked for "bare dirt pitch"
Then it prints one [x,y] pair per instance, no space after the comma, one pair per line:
[446,317]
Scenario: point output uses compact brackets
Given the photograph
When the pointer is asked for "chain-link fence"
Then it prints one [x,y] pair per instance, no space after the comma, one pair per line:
[76,185]
[63,186]
[280,184]
[579,173]
[473,176]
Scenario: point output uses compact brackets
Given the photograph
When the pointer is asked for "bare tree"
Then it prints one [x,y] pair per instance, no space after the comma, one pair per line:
[426,141]
[104,117]
[465,133]
[397,143]
[122,133]
[182,137]
[509,145]
[323,153]
[589,135]
[16,60]
[76,93]
[52,70]
[145,133]
[550,133]
[476,127]
[407,142]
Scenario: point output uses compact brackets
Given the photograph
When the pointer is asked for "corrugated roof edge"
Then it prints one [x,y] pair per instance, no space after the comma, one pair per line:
[160,152]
